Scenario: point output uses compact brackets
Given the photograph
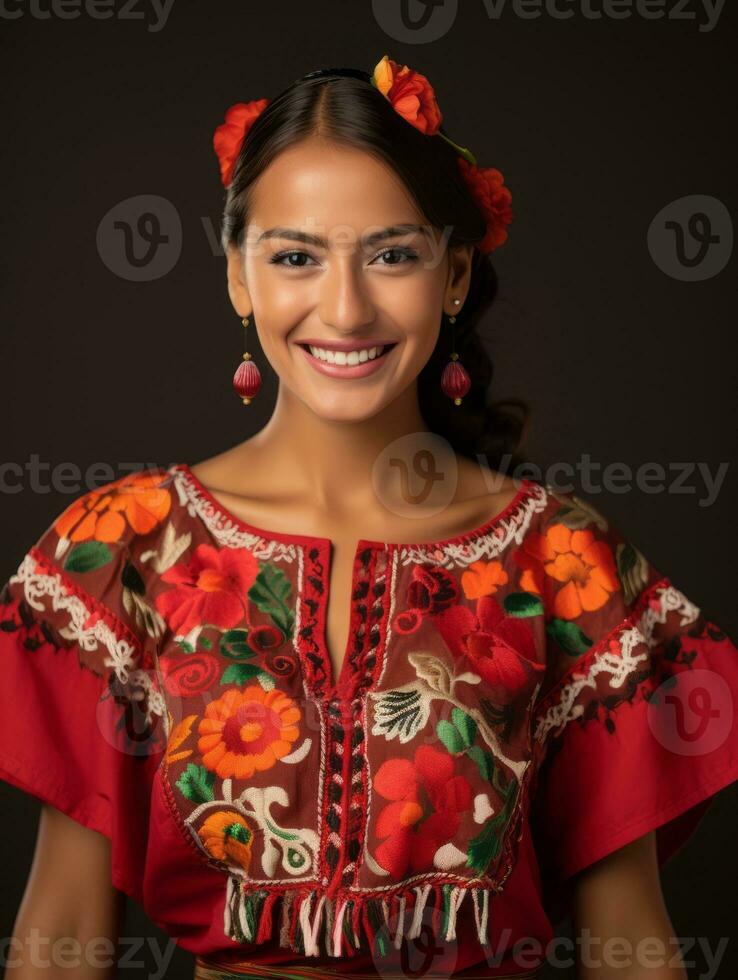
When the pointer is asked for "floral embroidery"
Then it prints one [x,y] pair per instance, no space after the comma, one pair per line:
[361,800]
[249,730]
[427,799]
[101,517]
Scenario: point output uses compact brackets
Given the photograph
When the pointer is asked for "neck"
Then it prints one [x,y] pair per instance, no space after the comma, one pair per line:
[334,463]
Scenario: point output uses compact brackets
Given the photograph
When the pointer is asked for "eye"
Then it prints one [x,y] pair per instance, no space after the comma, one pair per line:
[405,255]
[276,259]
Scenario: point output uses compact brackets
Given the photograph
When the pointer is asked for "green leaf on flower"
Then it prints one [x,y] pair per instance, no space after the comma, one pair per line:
[234,645]
[450,736]
[484,761]
[240,673]
[465,725]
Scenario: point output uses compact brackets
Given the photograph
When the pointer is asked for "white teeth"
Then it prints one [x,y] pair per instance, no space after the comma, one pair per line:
[346,358]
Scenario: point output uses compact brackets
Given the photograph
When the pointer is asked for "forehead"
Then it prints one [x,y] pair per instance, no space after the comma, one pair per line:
[325,182]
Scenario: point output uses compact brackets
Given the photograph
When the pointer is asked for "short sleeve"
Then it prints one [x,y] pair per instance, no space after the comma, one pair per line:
[82,720]
[634,727]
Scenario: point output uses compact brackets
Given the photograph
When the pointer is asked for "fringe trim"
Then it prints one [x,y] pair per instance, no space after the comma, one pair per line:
[352,921]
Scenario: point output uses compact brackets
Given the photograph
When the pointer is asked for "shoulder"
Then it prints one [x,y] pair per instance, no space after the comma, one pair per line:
[98,556]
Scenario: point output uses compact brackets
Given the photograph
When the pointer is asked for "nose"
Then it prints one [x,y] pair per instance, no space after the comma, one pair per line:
[345,301]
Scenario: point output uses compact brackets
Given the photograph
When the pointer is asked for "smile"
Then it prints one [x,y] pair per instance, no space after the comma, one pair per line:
[355,363]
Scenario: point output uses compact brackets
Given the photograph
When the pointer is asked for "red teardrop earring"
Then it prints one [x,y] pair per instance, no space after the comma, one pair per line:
[455,380]
[247,379]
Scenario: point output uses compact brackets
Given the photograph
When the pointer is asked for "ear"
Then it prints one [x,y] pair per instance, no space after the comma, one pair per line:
[459,277]
[237,288]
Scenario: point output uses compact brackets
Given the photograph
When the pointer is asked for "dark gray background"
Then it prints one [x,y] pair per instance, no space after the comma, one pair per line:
[596,125]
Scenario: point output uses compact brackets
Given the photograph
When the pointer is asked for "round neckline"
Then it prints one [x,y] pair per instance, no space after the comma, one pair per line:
[526,486]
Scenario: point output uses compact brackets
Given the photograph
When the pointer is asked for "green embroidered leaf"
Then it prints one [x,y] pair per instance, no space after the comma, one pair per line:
[484,761]
[465,726]
[484,847]
[626,559]
[206,643]
[568,636]
[523,604]
[131,579]
[196,783]
[450,736]
[234,645]
[240,673]
[187,646]
[88,556]
[269,593]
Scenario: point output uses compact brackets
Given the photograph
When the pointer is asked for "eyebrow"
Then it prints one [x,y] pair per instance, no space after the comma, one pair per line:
[392,231]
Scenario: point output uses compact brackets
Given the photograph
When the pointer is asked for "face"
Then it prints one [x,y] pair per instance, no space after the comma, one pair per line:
[333,278]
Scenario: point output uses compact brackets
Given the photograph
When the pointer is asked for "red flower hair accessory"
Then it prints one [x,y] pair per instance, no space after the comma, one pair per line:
[229,136]
[411,95]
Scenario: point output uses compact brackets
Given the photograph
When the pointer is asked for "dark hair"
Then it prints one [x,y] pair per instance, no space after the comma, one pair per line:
[340,105]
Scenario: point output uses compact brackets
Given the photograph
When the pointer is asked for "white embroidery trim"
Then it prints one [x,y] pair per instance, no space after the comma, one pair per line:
[619,666]
[222,527]
[137,682]
[488,545]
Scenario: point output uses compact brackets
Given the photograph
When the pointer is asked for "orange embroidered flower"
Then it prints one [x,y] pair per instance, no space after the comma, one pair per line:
[101,515]
[482,578]
[229,136]
[247,731]
[410,93]
[227,836]
[493,199]
[210,588]
[576,558]
[179,735]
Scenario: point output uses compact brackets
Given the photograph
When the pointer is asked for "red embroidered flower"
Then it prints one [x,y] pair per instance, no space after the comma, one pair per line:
[210,588]
[498,647]
[424,813]
[430,592]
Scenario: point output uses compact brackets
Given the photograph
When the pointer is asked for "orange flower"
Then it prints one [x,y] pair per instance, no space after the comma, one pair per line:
[227,836]
[247,731]
[578,559]
[493,199]
[482,578]
[229,136]
[410,94]
[179,735]
[101,515]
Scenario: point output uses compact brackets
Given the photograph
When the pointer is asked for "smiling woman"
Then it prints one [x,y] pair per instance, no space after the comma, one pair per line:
[345,699]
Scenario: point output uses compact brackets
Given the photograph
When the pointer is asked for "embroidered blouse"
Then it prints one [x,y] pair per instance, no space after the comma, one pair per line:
[516,702]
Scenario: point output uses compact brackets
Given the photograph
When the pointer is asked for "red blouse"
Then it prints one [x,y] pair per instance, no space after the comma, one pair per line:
[514,704]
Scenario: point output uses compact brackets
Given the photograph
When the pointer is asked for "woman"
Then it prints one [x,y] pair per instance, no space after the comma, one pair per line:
[418,777]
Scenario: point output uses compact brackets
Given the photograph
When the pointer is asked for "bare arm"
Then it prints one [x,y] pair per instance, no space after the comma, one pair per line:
[620,902]
[68,901]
